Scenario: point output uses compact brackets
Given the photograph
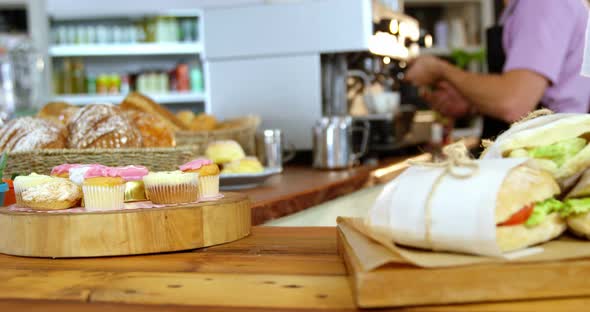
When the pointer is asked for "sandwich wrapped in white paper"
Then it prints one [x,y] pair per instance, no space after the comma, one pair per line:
[558,143]
[482,207]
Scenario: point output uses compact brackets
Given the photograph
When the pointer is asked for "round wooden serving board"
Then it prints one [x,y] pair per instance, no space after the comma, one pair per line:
[125,232]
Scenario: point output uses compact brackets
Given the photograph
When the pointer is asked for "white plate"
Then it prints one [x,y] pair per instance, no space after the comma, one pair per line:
[238,181]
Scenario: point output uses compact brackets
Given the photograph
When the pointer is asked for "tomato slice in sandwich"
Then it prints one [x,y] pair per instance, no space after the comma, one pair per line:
[520,216]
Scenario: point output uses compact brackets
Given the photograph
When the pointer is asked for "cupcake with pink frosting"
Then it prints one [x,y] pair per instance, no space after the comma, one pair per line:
[208,176]
[63,171]
[103,188]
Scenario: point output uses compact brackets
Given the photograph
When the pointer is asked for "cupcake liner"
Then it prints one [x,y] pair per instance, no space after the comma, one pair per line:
[19,198]
[208,186]
[103,197]
[172,193]
[134,191]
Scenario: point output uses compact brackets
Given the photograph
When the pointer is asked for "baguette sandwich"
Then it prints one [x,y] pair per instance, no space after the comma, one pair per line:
[577,209]
[526,211]
[557,143]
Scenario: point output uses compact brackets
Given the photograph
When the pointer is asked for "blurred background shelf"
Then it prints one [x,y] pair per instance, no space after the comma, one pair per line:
[163,98]
[159,48]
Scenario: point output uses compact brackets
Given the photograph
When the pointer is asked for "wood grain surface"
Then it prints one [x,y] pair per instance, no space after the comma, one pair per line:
[402,285]
[124,232]
[300,187]
[287,269]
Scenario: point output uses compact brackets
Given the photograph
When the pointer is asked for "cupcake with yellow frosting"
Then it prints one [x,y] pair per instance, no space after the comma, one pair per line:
[208,176]
[103,188]
[244,165]
[172,187]
[221,152]
[22,183]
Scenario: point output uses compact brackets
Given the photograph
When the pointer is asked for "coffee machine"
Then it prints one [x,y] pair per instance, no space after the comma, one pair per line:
[294,62]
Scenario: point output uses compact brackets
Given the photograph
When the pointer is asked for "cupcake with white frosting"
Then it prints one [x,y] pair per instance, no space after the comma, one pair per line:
[172,187]
[22,183]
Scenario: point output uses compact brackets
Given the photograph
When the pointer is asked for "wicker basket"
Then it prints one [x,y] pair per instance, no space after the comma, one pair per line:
[156,159]
[242,130]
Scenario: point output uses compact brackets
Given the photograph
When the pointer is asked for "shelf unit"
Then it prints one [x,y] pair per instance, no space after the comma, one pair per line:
[163,48]
[133,57]
[162,98]
[482,18]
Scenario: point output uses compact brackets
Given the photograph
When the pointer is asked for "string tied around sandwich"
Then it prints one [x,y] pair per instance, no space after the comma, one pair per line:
[458,164]
[534,114]
[457,157]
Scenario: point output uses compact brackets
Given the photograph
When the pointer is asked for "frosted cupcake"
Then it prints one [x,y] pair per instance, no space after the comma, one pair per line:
[103,188]
[22,183]
[63,171]
[208,176]
[172,187]
[134,186]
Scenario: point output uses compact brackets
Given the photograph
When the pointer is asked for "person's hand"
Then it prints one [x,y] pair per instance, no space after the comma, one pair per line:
[425,70]
[447,100]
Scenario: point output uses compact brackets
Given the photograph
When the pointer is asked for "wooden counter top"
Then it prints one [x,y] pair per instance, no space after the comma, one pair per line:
[300,187]
[296,269]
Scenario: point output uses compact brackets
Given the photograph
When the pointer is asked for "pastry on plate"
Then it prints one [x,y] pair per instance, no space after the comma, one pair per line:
[172,187]
[221,152]
[208,176]
[140,102]
[154,131]
[102,126]
[56,194]
[103,188]
[22,183]
[29,133]
[245,165]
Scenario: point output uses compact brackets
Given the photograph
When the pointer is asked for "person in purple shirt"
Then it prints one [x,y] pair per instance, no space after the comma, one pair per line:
[534,59]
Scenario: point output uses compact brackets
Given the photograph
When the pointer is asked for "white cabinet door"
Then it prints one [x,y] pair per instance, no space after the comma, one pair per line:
[284,91]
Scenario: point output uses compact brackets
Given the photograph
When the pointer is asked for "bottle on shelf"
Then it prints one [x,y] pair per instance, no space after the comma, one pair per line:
[114,83]
[125,84]
[91,84]
[182,77]
[67,77]
[102,84]
[196,77]
[78,77]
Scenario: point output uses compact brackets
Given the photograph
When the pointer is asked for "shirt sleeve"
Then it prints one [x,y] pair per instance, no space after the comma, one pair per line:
[538,36]
[586,62]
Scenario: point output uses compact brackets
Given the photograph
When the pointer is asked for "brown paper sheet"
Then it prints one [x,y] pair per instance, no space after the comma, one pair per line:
[375,251]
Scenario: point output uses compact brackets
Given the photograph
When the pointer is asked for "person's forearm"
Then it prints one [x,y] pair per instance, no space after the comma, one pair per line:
[507,96]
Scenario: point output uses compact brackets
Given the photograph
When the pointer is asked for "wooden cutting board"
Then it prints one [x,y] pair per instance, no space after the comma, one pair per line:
[125,232]
[400,285]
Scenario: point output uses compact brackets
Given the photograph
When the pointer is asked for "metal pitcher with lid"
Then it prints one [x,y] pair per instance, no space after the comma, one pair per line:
[332,142]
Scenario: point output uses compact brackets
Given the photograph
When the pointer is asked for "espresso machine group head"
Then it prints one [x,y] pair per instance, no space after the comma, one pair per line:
[290,61]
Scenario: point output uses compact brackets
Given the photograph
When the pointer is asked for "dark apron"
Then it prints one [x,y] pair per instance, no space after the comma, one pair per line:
[496,58]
